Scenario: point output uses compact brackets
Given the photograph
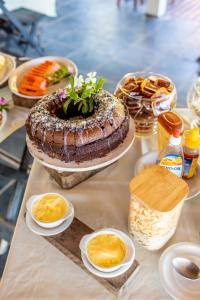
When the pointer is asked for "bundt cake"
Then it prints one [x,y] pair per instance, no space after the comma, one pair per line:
[78,138]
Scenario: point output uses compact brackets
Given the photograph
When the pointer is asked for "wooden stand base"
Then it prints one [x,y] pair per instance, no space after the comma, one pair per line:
[68,243]
[68,180]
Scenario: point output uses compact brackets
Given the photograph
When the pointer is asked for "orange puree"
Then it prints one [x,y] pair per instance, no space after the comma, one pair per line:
[49,208]
[106,250]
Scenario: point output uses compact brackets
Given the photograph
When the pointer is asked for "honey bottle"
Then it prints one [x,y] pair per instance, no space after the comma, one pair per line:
[191,151]
[168,122]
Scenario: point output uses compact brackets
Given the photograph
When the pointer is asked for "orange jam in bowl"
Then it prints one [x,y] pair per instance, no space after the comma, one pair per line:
[106,250]
[49,208]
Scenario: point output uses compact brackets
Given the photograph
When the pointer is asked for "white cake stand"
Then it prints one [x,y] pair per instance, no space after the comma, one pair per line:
[90,165]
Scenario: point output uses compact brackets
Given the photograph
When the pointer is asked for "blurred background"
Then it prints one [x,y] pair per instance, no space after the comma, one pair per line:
[108,36]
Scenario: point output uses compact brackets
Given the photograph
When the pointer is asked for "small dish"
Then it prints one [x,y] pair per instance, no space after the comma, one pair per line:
[177,286]
[33,199]
[9,67]
[35,228]
[4,119]
[99,273]
[17,75]
[151,157]
[130,249]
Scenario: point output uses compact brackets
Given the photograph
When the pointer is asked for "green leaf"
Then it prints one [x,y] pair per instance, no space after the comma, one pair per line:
[73,95]
[86,94]
[91,105]
[65,105]
[80,105]
[85,108]
[78,100]
[71,80]
[57,76]
[99,84]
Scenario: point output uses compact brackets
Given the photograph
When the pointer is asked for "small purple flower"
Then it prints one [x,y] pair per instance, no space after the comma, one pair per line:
[63,94]
[2,101]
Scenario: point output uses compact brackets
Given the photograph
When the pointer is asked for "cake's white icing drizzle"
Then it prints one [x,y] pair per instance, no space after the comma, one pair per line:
[114,123]
[44,137]
[81,137]
[65,140]
[109,144]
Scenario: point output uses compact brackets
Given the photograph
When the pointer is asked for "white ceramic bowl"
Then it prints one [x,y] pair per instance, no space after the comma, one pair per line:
[33,199]
[130,249]
[8,69]
[4,119]
[17,75]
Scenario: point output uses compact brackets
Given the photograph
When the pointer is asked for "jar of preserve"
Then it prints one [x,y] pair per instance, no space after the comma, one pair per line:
[157,197]
[168,123]
[146,95]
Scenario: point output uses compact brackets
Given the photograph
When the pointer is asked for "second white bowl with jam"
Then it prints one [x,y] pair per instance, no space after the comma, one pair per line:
[108,249]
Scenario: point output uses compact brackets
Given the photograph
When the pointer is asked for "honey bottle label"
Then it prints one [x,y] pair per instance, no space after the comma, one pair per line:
[189,166]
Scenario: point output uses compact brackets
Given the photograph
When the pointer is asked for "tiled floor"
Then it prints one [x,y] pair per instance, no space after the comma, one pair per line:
[99,36]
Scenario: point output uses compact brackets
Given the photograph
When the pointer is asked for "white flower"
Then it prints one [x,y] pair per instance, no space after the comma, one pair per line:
[79,81]
[88,87]
[91,77]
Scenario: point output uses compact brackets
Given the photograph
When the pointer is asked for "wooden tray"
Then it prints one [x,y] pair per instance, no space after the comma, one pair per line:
[68,243]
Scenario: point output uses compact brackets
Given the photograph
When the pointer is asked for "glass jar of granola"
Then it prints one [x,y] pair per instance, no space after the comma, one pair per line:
[157,196]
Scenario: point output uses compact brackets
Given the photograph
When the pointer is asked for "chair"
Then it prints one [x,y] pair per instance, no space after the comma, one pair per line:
[16,24]
[135,3]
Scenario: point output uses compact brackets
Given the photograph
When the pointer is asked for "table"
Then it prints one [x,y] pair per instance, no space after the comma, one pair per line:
[16,117]
[37,270]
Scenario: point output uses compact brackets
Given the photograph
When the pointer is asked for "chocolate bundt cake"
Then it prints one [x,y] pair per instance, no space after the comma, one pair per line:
[78,138]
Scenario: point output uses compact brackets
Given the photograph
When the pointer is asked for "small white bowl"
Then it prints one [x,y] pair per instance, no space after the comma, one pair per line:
[4,119]
[130,249]
[33,199]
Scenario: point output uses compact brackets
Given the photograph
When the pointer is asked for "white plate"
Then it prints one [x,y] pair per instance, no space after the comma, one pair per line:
[18,74]
[176,286]
[10,66]
[4,114]
[89,165]
[98,273]
[34,227]
[151,157]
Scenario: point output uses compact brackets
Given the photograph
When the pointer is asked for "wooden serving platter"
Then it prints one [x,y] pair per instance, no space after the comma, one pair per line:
[68,243]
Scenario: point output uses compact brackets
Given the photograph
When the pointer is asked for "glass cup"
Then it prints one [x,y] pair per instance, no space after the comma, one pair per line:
[193,101]
[146,95]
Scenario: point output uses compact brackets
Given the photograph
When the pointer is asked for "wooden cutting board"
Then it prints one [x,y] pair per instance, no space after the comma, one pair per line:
[68,243]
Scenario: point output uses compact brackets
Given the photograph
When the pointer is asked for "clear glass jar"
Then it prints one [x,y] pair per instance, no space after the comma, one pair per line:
[144,107]
[152,228]
[193,101]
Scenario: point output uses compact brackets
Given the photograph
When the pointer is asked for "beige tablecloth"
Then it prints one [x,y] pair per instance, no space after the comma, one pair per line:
[37,270]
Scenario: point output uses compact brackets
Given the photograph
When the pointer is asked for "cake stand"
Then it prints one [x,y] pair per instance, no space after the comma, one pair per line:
[69,174]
